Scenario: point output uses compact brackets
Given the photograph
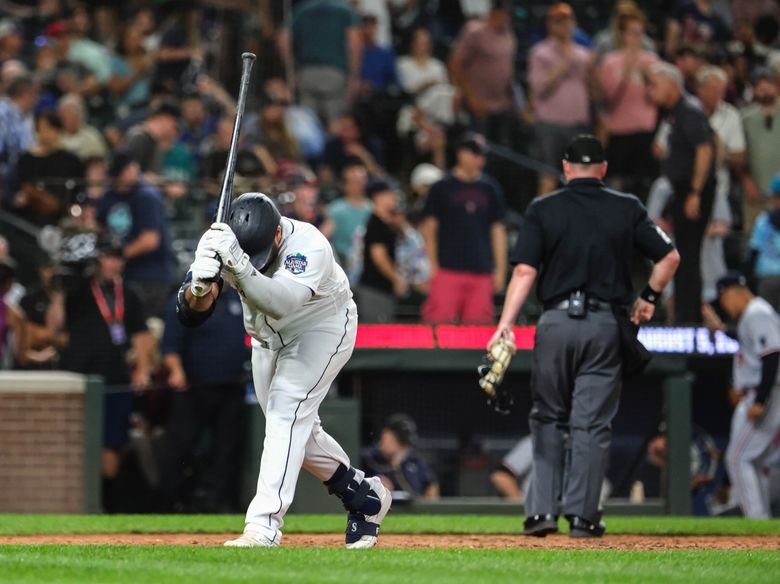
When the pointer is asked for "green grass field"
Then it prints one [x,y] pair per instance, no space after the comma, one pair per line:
[191,565]
[11,524]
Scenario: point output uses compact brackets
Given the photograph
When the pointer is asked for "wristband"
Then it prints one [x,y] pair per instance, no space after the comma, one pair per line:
[650,295]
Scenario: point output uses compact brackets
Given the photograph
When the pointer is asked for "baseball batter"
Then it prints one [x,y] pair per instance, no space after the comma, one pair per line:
[299,311]
[756,419]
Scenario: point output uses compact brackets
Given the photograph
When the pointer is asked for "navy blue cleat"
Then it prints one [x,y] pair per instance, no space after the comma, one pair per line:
[363,530]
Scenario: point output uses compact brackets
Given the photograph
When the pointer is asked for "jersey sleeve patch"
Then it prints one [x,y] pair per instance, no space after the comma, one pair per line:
[296,263]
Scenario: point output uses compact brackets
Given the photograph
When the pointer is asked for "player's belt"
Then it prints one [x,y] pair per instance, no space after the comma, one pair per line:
[593,304]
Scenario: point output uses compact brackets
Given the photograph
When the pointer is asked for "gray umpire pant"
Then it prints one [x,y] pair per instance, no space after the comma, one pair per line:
[576,382]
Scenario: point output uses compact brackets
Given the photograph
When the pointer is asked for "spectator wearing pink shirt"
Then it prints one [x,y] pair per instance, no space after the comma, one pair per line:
[749,11]
[630,115]
[482,67]
[559,70]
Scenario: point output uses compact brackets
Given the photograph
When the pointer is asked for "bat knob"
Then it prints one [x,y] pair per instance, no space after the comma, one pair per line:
[248,56]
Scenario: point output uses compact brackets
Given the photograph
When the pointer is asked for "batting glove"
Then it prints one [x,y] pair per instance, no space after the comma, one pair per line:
[205,247]
[205,270]
[224,242]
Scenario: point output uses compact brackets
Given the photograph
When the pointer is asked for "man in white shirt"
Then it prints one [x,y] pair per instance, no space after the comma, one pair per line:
[711,84]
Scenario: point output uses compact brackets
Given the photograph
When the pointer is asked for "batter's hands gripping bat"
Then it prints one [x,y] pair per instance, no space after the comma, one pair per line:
[226,193]
[491,374]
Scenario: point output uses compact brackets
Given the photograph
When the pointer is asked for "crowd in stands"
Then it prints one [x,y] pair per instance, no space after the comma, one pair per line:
[413,133]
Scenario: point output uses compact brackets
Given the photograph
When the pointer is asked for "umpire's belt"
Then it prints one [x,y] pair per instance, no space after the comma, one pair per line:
[593,304]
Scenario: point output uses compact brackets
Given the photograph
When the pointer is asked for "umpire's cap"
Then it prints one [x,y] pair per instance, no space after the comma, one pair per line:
[730,280]
[585,149]
[254,219]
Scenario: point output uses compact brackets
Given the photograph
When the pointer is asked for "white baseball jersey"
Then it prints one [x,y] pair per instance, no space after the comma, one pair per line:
[758,331]
[295,360]
[306,257]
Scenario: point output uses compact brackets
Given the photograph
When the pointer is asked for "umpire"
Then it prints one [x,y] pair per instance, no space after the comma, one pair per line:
[580,240]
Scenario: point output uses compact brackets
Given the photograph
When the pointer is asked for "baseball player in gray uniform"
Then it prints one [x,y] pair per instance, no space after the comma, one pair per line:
[756,419]
[299,312]
[513,476]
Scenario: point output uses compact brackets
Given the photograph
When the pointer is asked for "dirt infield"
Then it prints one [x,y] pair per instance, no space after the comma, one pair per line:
[610,542]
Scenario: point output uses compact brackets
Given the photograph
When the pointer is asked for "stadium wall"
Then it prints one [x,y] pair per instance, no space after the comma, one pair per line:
[50,424]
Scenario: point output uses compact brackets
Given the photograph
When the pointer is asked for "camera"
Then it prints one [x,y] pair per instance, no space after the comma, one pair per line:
[76,259]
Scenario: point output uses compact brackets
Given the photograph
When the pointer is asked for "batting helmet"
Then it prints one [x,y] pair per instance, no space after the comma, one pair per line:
[254,219]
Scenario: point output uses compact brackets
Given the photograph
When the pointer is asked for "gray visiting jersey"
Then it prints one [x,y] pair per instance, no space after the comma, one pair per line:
[759,334]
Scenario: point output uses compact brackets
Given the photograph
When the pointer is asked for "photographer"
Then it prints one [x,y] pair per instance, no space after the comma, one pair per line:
[43,342]
[105,322]
[11,319]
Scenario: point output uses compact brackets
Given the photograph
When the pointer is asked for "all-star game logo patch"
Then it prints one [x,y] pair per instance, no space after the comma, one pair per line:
[296,263]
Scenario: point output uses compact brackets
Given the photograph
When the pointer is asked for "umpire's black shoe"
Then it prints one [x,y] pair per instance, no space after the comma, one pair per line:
[540,525]
[581,527]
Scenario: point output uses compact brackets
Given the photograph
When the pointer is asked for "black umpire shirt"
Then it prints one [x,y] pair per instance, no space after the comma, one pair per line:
[690,128]
[583,237]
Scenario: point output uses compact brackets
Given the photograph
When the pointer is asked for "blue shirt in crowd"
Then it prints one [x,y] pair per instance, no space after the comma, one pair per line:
[214,352]
[766,241]
[16,136]
[127,215]
[378,68]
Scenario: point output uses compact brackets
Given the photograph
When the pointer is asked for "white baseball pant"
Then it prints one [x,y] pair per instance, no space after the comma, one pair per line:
[750,447]
[290,384]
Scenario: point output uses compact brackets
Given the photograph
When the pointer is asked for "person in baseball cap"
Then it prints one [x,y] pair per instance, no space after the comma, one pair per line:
[473,142]
[424,175]
[403,428]
[465,239]
[730,280]
[733,296]
[585,149]
[422,178]
[563,234]
[396,461]
[584,154]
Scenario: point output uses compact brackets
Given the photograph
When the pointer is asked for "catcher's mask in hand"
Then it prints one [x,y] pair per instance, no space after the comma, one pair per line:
[491,375]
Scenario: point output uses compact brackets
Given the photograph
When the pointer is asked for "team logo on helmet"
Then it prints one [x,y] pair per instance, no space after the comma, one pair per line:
[296,263]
